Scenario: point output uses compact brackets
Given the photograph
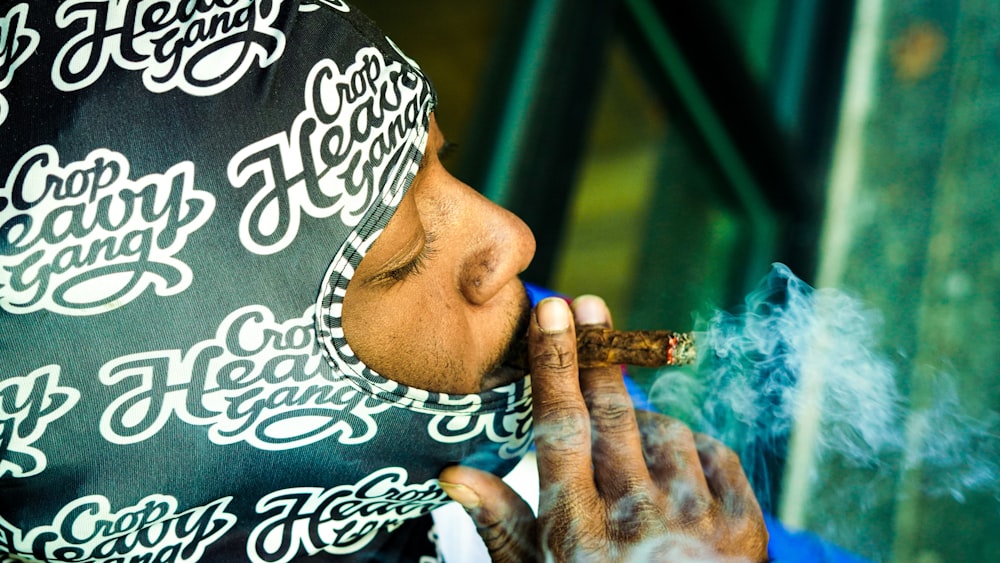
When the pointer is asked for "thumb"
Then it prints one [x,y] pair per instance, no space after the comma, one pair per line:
[504,521]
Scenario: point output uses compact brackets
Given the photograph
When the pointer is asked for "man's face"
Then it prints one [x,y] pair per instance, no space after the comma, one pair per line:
[436,303]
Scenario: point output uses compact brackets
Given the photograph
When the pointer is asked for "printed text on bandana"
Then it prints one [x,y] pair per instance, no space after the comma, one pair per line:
[17,43]
[27,405]
[258,381]
[339,520]
[511,428]
[84,238]
[340,151]
[150,531]
[201,47]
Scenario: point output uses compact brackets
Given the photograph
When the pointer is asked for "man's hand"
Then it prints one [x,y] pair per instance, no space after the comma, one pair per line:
[616,485]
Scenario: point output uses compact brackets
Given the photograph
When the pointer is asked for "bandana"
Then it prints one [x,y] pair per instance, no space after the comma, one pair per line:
[186,189]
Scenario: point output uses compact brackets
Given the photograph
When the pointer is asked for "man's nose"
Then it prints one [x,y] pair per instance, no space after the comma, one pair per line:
[502,247]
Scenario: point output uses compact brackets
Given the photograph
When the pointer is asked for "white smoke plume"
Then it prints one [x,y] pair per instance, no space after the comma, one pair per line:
[796,353]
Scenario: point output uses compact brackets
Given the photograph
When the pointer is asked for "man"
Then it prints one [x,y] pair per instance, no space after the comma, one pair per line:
[246,315]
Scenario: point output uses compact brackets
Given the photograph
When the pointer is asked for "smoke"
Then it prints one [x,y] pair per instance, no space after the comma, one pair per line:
[962,452]
[797,360]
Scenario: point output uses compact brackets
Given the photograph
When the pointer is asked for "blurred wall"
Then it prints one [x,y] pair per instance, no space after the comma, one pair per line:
[913,227]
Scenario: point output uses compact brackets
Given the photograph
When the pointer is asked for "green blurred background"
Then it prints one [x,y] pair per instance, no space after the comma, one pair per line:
[666,154]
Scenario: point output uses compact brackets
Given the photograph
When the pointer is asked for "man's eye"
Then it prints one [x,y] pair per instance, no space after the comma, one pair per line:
[416,265]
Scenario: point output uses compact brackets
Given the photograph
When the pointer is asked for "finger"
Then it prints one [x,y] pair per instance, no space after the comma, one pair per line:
[619,465]
[561,422]
[744,520]
[724,475]
[591,310]
[674,465]
[504,521]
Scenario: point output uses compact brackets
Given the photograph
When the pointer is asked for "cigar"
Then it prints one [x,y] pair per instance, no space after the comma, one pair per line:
[600,347]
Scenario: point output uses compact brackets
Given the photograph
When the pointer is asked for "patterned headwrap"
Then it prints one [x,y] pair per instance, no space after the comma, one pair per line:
[186,189]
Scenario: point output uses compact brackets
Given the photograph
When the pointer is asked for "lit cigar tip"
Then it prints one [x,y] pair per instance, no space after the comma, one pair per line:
[682,351]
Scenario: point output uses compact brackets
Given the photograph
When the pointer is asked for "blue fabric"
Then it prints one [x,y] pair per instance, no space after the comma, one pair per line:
[536,293]
[793,547]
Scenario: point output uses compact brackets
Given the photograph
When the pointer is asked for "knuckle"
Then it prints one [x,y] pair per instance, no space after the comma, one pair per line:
[494,535]
[574,528]
[720,457]
[679,434]
[554,357]
[712,447]
[507,540]
[630,515]
[664,428]
[562,428]
[737,504]
[686,504]
[612,409]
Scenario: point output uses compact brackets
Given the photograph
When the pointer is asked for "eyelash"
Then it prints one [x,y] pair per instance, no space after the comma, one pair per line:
[416,265]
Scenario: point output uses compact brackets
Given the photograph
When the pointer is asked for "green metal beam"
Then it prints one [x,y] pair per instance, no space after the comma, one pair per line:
[761,219]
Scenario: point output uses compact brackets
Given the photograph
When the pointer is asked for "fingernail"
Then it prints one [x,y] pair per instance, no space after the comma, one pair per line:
[461,494]
[553,315]
[590,310]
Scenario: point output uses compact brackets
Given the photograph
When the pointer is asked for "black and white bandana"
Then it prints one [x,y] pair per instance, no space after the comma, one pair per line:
[186,189]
